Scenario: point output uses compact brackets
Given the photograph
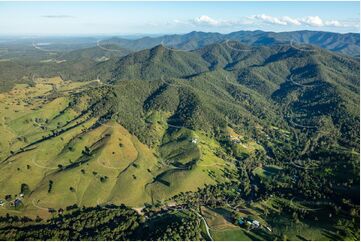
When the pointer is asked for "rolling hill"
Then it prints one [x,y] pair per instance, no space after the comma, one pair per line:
[161,125]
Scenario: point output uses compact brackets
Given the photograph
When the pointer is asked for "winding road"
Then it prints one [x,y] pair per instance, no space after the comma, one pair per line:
[299,84]
[301,49]
[236,49]
[172,49]
[205,223]
[103,48]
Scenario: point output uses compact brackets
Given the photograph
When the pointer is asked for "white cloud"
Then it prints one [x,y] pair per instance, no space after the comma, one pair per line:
[205,20]
[314,21]
[291,21]
[261,19]
[57,16]
[269,19]
[334,23]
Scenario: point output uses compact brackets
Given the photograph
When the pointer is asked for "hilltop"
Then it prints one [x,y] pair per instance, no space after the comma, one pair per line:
[245,125]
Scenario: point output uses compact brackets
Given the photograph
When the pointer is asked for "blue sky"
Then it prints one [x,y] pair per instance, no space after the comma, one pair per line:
[85,18]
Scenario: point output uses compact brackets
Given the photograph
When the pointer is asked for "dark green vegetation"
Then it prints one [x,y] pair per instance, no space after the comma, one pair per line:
[269,131]
[110,223]
[173,225]
[102,223]
[277,91]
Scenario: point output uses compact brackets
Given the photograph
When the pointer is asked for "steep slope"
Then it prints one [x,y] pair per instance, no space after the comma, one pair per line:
[158,61]
[293,105]
[198,87]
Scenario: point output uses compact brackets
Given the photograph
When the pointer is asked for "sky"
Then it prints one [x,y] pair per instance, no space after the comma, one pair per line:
[129,18]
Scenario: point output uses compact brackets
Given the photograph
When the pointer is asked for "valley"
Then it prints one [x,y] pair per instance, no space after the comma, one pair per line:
[239,141]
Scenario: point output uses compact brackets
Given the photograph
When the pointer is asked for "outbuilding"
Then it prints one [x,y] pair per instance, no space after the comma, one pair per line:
[255,223]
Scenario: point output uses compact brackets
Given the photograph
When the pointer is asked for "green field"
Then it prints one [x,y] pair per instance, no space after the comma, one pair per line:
[224,227]
[235,234]
[267,171]
[59,150]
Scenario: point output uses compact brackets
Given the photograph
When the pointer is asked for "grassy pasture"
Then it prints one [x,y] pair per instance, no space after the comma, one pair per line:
[90,166]
[267,171]
[222,228]
[285,227]
[206,170]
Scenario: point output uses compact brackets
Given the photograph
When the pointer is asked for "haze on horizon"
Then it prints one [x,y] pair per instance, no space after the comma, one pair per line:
[152,18]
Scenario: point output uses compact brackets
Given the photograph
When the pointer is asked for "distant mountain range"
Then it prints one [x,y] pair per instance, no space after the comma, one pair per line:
[75,57]
[344,43]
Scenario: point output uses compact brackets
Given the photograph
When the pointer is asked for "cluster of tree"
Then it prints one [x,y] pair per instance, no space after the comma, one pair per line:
[172,226]
[103,223]
[107,223]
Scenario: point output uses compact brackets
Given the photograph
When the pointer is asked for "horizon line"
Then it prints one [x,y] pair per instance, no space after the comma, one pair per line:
[157,34]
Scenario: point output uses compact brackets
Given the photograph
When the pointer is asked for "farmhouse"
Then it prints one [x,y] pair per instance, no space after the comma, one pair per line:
[252,224]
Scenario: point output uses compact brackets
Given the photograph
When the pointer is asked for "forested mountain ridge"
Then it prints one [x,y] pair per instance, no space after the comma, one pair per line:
[344,43]
[309,85]
[77,61]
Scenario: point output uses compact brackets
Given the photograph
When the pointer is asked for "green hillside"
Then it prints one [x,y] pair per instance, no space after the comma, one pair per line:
[265,131]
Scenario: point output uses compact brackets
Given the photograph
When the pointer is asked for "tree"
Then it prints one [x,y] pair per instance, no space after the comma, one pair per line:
[24,189]
[86,151]
[50,186]
[103,178]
